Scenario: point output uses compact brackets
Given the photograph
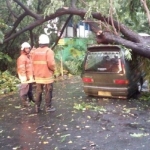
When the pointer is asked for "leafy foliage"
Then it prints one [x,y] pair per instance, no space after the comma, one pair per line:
[5,60]
[145,96]
[72,54]
[88,106]
[1,37]
[128,54]
[3,26]
[131,13]
[52,7]
[75,66]
[4,57]
[8,83]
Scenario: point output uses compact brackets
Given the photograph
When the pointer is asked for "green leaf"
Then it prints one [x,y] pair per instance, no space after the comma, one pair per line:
[138,135]
[1,37]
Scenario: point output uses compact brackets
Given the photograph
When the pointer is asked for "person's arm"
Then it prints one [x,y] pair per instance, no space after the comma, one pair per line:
[21,69]
[50,60]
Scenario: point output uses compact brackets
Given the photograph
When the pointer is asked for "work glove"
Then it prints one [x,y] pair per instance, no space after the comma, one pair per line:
[23,79]
[31,79]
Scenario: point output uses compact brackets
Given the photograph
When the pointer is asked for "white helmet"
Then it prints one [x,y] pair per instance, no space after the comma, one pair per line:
[25,45]
[43,39]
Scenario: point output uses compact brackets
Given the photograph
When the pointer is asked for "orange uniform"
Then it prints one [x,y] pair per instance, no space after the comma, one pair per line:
[44,65]
[24,68]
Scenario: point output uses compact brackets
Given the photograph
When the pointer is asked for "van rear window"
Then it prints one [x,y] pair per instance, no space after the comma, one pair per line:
[104,61]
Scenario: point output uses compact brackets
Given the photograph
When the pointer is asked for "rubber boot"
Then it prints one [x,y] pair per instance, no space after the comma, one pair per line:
[32,100]
[50,109]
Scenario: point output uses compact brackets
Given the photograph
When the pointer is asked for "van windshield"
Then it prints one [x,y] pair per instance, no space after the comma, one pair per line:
[103,61]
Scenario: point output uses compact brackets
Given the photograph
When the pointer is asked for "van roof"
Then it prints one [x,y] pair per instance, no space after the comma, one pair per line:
[103,47]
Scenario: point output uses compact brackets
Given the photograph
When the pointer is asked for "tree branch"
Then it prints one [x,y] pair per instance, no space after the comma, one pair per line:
[146,10]
[110,38]
[62,30]
[29,27]
[20,18]
[9,8]
[29,12]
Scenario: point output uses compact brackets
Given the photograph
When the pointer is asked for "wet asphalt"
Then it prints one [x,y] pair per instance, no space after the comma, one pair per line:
[79,122]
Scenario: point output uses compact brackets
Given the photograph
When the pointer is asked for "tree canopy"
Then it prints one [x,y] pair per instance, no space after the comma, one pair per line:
[112,21]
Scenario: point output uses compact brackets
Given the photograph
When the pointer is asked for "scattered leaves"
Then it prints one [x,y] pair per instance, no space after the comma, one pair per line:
[139,134]
[45,142]
[63,137]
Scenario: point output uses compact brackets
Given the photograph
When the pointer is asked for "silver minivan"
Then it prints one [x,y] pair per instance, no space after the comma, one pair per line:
[107,73]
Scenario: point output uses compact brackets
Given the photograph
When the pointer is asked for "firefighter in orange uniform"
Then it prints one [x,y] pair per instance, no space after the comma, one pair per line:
[44,66]
[25,74]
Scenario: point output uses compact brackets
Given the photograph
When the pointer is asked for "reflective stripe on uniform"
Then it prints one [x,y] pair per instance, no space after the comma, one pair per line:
[44,80]
[39,62]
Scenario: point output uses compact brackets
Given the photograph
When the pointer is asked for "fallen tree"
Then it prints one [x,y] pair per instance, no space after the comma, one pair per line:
[120,34]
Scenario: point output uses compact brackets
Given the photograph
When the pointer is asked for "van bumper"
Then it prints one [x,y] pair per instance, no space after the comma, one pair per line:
[114,92]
